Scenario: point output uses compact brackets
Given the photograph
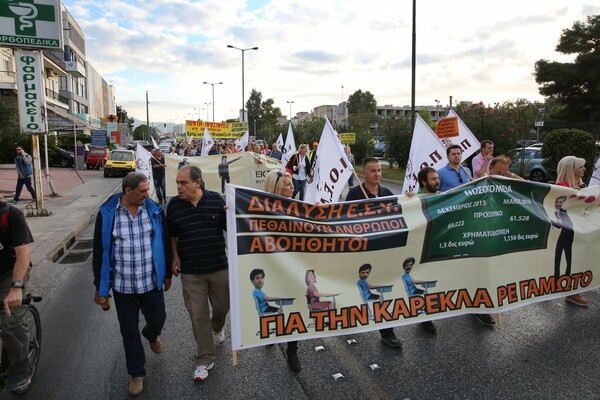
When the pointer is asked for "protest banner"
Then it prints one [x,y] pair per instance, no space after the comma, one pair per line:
[330,169]
[484,247]
[447,128]
[469,143]
[143,164]
[426,150]
[250,170]
[218,130]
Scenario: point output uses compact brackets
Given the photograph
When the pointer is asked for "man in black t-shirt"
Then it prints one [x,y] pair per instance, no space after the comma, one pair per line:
[15,261]
[196,221]
[158,175]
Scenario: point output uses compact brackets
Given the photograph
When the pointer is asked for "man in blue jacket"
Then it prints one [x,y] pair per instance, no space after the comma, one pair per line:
[24,172]
[131,258]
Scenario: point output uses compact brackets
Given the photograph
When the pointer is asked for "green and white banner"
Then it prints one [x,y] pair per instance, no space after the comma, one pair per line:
[33,24]
[488,246]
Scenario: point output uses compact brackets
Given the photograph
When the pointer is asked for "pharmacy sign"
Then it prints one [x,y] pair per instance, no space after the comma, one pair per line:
[31,24]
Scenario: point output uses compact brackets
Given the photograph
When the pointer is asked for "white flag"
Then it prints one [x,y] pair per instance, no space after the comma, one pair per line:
[289,148]
[469,143]
[595,179]
[426,150]
[154,143]
[241,143]
[207,143]
[279,142]
[144,165]
[331,169]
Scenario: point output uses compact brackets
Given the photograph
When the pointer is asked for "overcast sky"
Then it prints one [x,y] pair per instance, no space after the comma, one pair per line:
[472,50]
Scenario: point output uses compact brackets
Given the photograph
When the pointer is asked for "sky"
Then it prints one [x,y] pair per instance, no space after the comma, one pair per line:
[318,52]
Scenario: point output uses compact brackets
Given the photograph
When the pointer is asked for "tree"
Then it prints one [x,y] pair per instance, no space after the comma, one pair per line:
[504,124]
[264,113]
[568,142]
[10,136]
[361,102]
[362,111]
[576,85]
[253,108]
[124,118]
[141,132]
[397,135]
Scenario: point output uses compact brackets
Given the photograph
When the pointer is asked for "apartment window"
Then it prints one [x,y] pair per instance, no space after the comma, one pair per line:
[62,82]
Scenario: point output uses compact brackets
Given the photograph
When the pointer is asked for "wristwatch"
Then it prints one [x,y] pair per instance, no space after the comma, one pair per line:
[17,284]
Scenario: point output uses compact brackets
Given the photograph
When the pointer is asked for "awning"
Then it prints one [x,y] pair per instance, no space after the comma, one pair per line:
[62,120]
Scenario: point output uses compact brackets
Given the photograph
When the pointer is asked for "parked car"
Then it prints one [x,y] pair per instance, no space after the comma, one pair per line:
[145,144]
[60,158]
[379,150]
[97,157]
[533,167]
[165,146]
[120,162]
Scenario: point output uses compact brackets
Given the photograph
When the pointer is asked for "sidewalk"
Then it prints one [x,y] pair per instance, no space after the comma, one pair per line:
[70,211]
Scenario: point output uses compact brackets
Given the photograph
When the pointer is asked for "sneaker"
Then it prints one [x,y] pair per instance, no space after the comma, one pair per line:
[136,385]
[429,327]
[201,371]
[18,383]
[577,299]
[486,319]
[293,361]
[391,341]
[156,346]
[219,337]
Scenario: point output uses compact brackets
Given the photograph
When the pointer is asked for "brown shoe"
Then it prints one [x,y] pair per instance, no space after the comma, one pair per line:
[578,299]
[156,346]
[136,385]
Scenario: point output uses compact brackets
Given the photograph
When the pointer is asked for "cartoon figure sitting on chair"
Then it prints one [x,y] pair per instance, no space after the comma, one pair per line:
[364,286]
[257,277]
[411,290]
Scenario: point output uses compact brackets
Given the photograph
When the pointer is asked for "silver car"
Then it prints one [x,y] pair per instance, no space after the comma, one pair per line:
[527,162]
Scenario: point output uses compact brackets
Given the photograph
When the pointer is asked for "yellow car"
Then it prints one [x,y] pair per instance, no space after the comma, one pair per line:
[120,162]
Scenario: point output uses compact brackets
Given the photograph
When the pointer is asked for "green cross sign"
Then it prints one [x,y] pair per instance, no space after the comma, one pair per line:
[24,31]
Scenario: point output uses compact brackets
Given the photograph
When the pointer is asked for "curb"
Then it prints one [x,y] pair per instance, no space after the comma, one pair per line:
[71,236]
[69,239]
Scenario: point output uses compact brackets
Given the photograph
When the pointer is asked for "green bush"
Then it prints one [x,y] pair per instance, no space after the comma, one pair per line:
[363,147]
[568,142]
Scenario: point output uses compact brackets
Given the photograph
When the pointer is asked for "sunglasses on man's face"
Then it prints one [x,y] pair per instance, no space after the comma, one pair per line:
[460,179]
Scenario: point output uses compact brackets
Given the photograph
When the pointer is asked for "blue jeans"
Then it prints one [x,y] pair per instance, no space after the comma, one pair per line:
[159,185]
[27,182]
[299,188]
[152,305]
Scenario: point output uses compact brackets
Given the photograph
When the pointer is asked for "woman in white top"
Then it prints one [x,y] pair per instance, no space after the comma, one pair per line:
[300,165]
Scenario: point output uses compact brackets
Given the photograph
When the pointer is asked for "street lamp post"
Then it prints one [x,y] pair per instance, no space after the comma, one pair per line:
[437,109]
[290,103]
[242,50]
[207,104]
[213,95]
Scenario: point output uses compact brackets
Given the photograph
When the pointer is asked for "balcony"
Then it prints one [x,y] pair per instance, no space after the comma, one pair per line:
[75,68]
[8,80]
